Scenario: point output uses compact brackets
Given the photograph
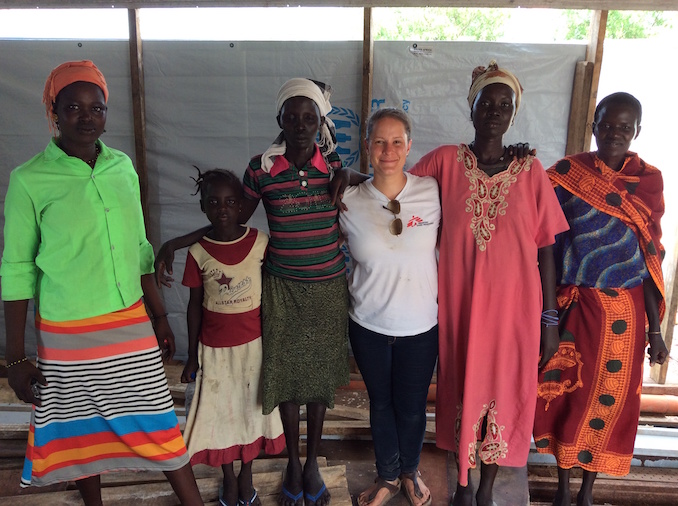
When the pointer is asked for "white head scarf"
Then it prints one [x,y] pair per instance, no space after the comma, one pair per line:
[320,94]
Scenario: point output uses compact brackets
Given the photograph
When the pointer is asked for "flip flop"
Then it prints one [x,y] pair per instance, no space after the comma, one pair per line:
[380,484]
[290,495]
[418,494]
[318,495]
[253,501]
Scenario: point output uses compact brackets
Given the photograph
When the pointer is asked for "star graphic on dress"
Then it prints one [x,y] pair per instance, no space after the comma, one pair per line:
[223,280]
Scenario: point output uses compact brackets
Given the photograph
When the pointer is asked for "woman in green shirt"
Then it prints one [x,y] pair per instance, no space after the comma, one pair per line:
[75,243]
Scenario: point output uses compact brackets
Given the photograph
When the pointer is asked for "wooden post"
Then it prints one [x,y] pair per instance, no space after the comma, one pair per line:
[578,127]
[594,53]
[366,100]
[585,88]
[658,372]
[138,107]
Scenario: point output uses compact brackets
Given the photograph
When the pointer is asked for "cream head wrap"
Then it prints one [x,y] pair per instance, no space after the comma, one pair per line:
[482,77]
[320,94]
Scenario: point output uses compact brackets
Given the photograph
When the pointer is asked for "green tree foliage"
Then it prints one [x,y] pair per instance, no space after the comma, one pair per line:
[620,24]
[438,23]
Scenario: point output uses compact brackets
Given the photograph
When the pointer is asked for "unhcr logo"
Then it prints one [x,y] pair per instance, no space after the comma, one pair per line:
[347,124]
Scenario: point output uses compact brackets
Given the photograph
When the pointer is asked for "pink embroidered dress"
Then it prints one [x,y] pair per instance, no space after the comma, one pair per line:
[490,302]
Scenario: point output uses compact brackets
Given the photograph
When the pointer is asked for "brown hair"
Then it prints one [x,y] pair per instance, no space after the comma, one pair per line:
[388,112]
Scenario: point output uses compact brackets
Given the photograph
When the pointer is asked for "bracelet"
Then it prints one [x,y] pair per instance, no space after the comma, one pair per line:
[159,316]
[16,362]
[549,318]
[655,333]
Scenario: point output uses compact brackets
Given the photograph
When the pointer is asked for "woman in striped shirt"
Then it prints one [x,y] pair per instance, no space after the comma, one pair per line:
[305,297]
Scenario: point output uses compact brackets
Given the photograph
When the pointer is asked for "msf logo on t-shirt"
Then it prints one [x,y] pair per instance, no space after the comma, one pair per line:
[416,221]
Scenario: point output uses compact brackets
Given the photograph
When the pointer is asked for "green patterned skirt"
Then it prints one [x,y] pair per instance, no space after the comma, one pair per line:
[305,340]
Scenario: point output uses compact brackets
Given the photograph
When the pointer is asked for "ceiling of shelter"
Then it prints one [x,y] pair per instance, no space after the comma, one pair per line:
[556,4]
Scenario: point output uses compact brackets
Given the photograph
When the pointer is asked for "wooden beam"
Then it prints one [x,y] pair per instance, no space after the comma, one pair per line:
[136,62]
[578,127]
[658,372]
[645,5]
[585,88]
[594,53]
[366,98]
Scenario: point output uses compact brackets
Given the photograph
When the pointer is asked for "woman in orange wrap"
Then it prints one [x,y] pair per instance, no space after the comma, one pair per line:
[609,281]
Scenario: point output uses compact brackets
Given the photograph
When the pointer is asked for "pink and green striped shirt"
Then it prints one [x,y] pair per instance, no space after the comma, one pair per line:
[303,228]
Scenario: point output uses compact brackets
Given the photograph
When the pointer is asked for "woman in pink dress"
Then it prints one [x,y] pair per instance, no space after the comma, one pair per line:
[497,288]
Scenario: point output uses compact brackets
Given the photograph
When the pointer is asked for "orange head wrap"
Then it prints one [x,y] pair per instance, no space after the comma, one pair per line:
[69,73]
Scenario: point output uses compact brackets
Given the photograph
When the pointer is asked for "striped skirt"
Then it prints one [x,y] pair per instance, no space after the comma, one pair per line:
[106,406]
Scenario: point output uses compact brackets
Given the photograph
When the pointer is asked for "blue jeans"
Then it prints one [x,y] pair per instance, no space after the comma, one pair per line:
[397,372]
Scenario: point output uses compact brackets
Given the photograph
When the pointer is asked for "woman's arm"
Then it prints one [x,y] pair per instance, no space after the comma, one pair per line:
[194,321]
[342,178]
[165,257]
[249,205]
[658,352]
[163,331]
[21,373]
[550,340]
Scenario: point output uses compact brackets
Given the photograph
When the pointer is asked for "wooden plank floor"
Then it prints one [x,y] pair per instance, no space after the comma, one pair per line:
[152,489]
[348,469]
[641,487]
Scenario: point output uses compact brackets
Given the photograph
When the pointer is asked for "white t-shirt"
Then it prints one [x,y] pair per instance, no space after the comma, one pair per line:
[393,283]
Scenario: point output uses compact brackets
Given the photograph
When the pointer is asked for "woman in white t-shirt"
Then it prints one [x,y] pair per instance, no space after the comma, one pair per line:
[391,230]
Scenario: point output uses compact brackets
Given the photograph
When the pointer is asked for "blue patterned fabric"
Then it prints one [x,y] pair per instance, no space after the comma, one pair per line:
[599,250]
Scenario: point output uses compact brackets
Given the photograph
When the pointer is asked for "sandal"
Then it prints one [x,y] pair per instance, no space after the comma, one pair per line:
[368,496]
[414,477]
[313,499]
[286,493]
[253,501]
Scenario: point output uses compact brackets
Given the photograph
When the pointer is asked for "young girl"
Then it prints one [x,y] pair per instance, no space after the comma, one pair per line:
[223,271]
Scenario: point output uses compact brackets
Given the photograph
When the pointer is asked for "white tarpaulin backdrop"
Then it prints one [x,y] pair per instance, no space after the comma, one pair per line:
[212,104]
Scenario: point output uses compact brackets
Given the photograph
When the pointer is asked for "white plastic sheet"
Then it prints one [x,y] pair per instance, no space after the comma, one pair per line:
[212,104]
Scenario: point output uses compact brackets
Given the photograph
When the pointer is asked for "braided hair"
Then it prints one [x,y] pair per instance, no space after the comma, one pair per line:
[204,179]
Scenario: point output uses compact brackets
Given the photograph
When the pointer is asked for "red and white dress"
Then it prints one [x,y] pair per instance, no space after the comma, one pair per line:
[225,422]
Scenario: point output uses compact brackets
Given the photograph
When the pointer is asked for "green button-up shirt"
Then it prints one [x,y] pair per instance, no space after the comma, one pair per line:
[74,236]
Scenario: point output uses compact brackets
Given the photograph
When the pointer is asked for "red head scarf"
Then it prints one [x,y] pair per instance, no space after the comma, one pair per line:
[69,73]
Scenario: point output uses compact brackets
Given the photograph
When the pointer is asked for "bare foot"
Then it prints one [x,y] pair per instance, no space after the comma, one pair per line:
[584,499]
[229,492]
[485,502]
[293,486]
[562,498]
[247,495]
[463,496]
[315,491]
